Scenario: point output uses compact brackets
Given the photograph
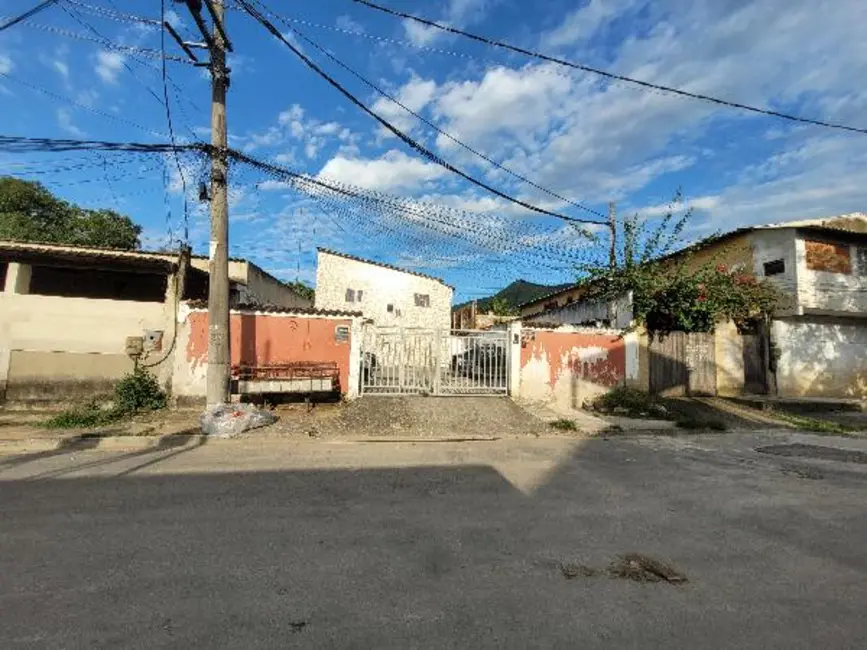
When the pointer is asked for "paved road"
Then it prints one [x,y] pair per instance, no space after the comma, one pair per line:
[433,545]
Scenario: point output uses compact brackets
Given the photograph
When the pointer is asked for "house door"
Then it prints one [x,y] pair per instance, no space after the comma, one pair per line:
[755,364]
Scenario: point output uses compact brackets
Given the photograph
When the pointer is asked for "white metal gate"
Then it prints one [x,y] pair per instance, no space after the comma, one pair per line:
[400,361]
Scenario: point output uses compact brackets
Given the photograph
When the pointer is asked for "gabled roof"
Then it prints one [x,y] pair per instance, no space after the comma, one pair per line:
[852,223]
[328,251]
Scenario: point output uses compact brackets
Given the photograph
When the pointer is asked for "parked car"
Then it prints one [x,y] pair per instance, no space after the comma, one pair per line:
[480,360]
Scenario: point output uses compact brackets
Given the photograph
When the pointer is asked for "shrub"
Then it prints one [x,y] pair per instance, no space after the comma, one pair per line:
[633,401]
[564,425]
[138,391]
[135,392]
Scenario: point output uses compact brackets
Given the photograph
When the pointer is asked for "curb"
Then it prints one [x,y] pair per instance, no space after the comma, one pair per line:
[107,443]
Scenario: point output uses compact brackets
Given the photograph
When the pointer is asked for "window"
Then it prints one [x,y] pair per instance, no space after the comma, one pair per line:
[341,334]
[422,300]
[359,295]
[350,295]
[831,258]
[389,308]
[775,268]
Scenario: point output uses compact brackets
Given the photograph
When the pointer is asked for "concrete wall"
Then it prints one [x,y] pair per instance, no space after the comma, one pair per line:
[824,291]
[261,339]
[569,366]
[729,354]
[772,245]
[618,312]
[268,290]
[64,348]
[381,287]
[820,357]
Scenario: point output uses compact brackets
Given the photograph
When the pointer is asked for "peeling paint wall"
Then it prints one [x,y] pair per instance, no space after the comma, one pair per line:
[261,339]
[568,367]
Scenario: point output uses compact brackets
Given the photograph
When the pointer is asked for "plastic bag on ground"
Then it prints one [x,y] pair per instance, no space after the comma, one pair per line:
[228,420]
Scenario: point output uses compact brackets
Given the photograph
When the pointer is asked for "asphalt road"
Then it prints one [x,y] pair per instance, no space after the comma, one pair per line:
[246,544]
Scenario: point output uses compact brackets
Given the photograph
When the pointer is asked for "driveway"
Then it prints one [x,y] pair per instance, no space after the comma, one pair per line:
[276,543]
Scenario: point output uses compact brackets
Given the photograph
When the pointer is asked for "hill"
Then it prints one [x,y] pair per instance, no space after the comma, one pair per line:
[519,292]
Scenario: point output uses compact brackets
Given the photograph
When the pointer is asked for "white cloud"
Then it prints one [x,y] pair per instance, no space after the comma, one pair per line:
[6,64]
[458,13]
[346,22]
[415,94]
[393,171]
[420,35]
[582,23]
[64,120]
[61,68]
[108,65]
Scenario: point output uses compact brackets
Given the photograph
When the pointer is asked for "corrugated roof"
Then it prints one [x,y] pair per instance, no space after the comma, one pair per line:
[853,222]
[384,265]
[275,309]
[165,260]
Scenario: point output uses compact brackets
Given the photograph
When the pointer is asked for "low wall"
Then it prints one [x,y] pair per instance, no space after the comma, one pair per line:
[263,338]
[568,366]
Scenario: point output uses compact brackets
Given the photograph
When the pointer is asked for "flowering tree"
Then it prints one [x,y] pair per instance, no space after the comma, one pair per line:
[671,293]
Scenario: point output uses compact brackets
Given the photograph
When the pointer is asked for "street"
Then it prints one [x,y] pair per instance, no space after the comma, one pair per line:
[260,543]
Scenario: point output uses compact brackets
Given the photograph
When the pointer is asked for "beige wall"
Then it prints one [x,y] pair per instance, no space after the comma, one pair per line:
[83,339]
[729,354]
[270,291]
[381,287]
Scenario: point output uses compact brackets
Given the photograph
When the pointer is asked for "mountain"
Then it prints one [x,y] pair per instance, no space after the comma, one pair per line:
[519,292]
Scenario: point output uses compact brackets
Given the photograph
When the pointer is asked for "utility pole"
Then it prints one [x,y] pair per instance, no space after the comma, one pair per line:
[612,226]
[219,358]
[217,43]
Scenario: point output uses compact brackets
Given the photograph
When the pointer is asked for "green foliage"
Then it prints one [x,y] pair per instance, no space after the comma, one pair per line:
[563,425]
[635,402]
[303,290]
[29,212]
[674,295]
[518,293]
[139,391]
[501,307]
[136,392]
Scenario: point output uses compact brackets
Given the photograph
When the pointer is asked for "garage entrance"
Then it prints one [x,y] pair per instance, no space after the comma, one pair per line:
[401,361]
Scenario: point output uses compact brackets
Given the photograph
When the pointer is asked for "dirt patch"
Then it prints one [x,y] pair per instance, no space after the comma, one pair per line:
[572,570]
[802,471]
[641,568]
[818,452]
[396,417]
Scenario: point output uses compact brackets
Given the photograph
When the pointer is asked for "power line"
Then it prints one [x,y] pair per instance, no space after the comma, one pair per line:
[27,14]
[418,147]
[169,121]
[612,75]
[421,118]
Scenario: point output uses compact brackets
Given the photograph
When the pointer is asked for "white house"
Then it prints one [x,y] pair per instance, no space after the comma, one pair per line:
[384,294]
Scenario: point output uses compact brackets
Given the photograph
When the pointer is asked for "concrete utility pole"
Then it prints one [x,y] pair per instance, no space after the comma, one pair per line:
[219,358]
[612,226]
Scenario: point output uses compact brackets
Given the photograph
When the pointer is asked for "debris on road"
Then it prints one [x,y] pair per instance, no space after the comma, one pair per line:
[574,570]
[641,568]
[228,420]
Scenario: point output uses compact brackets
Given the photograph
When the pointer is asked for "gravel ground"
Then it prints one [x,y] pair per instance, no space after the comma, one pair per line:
[398,417]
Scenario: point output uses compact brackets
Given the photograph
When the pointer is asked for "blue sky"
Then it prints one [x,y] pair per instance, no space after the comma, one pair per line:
[570,132]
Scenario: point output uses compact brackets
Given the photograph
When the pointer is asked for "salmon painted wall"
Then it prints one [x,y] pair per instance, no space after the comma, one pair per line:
[570,367]
[260,339]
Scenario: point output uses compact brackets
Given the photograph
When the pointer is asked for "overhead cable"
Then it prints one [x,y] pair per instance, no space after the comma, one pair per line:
[430,124]
[418,147]
[30,12]
[614,76]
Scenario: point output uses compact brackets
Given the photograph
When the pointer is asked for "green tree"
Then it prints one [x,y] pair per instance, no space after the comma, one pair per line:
[501,307]
[303,290]
[29,212]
